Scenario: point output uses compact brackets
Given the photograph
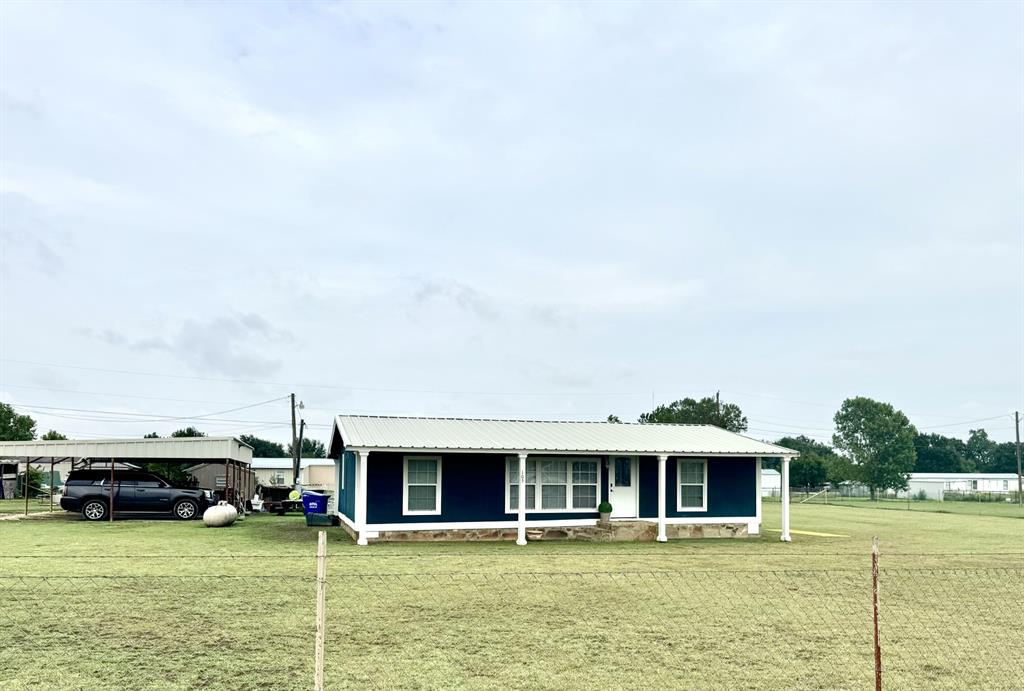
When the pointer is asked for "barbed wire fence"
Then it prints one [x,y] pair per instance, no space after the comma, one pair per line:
[736,620]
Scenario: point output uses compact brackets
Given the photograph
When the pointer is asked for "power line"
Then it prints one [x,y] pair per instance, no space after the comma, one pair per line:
[148,417]
[329,386]
[966,422]
[796,427]
[111,394]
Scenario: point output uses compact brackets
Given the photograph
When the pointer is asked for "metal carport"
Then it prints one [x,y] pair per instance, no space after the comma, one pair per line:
[233,453]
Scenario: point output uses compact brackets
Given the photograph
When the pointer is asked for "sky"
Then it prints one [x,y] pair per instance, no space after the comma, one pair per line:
[541,211]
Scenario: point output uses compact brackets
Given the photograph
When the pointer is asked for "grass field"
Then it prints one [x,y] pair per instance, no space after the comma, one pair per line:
[970,508]
[163,604]
[18,505]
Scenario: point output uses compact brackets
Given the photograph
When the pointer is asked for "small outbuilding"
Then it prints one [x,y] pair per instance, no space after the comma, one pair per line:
[936,485]
[407,478]
[771,483]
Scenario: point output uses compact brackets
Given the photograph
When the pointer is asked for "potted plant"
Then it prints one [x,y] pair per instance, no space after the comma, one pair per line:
[605,511]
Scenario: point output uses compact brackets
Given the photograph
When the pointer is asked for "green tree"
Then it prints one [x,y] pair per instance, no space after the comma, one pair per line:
[53,435]
[311,448]
[939,454]
[36,480]
[263,448]
[174,472]
[879,440]
[15,427]
[807,472]
[981,450]
[818,463]
[613,418]
[1004,458]
[706,411]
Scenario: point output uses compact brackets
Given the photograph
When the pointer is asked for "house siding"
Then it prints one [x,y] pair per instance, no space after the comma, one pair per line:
[347,496]
[472,489]
[732,488]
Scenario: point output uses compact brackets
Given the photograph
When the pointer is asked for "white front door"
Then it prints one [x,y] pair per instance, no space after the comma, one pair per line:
[622,486]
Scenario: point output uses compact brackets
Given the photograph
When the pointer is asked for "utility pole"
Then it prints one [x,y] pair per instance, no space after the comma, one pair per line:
[298,463]
[718,403]
[295,448]
[1020,481]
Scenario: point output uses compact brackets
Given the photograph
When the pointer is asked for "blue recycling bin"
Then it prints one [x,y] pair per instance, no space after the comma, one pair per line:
[314,502]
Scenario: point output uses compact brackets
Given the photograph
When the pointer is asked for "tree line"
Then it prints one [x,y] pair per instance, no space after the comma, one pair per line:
[873,443]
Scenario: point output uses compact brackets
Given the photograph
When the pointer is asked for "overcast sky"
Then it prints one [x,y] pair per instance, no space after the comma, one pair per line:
[521,210]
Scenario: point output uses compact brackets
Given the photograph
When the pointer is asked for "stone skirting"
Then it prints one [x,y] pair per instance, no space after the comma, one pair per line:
[615,531]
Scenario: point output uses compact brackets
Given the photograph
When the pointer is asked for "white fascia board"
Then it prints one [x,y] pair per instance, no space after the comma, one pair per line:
[559,523]
[571,452]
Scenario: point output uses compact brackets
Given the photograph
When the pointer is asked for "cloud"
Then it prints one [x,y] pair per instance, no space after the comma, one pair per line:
[30,237]
[48,377]
[234,345]
[450,291]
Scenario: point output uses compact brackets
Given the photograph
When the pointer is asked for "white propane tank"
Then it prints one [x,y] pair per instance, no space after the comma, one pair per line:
[220,516]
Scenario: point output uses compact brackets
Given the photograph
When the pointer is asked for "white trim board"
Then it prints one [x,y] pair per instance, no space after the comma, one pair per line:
[679,484]
[406,511]
[555,523]
[347,521]
[538,495]
[587,452]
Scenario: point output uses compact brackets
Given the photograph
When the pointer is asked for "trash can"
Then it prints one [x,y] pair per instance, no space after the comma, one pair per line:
[320,519]
[314,502]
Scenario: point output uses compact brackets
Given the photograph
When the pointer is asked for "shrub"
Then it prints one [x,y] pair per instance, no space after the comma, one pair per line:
[920,495]
[604,507]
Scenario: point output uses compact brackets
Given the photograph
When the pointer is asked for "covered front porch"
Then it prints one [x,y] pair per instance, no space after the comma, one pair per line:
[543,496]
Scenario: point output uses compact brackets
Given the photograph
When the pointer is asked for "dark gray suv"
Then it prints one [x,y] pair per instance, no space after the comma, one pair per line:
[88,491]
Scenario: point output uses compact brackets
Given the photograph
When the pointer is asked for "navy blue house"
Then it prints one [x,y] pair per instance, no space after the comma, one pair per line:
[403,477]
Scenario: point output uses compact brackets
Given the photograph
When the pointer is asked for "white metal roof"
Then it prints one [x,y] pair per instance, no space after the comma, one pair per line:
[285,462]
[164,449]
[464,434]
[963,476]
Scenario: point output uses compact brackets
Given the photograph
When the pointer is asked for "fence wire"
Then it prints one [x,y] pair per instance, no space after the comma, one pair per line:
[141,622]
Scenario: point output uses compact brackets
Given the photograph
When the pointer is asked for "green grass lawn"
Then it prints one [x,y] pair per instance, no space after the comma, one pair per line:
[972,508]
[34,505]
[165,604]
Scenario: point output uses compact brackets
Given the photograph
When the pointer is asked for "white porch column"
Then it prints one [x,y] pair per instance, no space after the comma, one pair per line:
[755,528]
[785,500]
[521,509]
[361,459]
[662,462]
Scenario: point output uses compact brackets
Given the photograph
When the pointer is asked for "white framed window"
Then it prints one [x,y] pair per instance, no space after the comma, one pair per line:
[277,478]
[561,484]
[421,486]
[341,478]
[220,481]
[692,484]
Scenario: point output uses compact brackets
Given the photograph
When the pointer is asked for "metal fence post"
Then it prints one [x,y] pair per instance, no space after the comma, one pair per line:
[874,601]
[321,586]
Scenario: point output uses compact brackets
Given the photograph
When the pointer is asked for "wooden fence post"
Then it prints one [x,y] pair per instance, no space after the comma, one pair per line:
[321,587]
[874,601]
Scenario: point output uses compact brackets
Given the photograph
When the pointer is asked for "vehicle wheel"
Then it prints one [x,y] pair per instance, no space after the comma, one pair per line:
[186,510]
[94,510]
